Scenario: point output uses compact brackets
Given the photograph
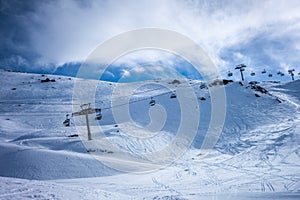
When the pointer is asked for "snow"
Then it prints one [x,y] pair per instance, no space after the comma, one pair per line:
[256,156]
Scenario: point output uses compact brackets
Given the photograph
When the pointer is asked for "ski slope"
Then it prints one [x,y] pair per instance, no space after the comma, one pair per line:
[256,156]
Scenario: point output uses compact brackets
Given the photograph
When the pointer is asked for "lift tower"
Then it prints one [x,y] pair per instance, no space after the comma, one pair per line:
[241,67]
[291,72]
[86,110]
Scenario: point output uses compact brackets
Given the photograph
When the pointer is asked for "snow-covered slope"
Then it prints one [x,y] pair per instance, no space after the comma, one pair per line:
[34,143]
[258,150]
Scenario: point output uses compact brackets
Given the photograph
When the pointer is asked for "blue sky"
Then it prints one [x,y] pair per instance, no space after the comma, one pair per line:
[56,36]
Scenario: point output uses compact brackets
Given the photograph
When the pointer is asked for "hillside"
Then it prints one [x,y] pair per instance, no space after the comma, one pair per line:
[257,154]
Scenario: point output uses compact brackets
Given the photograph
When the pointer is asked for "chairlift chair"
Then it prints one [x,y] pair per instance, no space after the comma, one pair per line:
[270,75]
[202,86]
[67,121]
[264,71]
[152,102]
[252,74]
[98,114]
[280,73]
[173,95]
[229,74]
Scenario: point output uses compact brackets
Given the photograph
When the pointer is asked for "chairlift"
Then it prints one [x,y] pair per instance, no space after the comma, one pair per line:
[202,86]
[98,114]
[229,74]
[270,75]
[280,73]
[264,71]
[67,121]
[291,71]
[152,102]
[173,95]
[252,74]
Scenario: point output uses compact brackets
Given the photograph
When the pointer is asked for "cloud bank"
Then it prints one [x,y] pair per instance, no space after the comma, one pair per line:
[42,35]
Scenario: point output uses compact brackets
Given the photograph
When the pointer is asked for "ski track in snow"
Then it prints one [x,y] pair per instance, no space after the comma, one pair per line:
[257,156]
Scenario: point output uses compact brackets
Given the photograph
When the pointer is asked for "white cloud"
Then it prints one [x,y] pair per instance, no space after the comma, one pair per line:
[135,58]
[158,68]
[139,69]
[238,55]
[125,73]
[65,31]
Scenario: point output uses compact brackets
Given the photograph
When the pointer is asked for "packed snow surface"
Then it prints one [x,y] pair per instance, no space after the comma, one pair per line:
[256,156]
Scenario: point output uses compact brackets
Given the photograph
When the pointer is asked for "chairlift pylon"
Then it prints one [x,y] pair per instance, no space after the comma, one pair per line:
[291,72]
[241,68]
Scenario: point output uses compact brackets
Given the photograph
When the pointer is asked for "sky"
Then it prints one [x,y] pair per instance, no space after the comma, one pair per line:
[56,36]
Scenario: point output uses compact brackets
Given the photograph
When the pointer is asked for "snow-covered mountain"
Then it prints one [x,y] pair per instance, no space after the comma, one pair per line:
[256,156]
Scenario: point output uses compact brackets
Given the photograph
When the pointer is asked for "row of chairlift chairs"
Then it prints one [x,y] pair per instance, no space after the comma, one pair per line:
[263,72]
[231,74]
[98,116]
[152,101]
[173,95]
